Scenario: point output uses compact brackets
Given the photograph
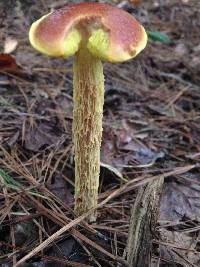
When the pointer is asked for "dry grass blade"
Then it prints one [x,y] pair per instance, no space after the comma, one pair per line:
[93,244]
[78,220]
[53,237]
[66,262]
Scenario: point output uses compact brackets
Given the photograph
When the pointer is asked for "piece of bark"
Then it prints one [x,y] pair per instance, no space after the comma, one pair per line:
[143,222]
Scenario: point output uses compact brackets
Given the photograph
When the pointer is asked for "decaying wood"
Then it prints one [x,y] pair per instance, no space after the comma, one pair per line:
[142,224]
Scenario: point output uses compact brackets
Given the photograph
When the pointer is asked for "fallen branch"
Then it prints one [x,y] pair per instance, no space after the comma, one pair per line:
[143,222]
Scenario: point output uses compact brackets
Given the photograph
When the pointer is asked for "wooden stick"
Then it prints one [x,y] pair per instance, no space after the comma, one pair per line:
[143,222]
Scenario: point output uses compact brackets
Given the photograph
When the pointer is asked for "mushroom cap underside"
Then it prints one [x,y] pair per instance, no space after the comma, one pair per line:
[109,33]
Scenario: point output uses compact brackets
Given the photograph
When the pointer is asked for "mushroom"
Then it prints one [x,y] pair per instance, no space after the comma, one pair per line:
[93,32]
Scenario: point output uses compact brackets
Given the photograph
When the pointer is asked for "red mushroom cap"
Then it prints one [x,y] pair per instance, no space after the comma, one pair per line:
[109,33]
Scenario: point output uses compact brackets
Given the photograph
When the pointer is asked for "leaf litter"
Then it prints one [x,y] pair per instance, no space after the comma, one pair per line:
[151,128]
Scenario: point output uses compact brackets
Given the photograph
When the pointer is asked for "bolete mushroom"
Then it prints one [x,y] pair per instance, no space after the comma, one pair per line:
[92,32]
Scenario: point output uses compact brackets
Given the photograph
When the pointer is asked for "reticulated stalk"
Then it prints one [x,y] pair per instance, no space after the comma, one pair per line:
[88,98]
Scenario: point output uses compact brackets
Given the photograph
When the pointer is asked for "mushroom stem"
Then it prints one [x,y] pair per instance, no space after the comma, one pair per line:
[88,98]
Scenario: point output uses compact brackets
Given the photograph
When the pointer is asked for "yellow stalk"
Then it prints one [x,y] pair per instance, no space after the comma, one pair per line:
[88,97]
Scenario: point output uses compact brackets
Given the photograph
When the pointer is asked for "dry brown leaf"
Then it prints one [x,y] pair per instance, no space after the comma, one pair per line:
[9,64]
[136,2]
[179,247]
[39,136]
[180,200]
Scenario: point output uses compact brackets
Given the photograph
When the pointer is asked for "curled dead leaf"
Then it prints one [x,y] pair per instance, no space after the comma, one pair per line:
[9,64]
[38,137]
[135,2]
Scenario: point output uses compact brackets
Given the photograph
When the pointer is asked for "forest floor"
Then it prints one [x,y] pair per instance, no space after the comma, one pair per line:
[151,127]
